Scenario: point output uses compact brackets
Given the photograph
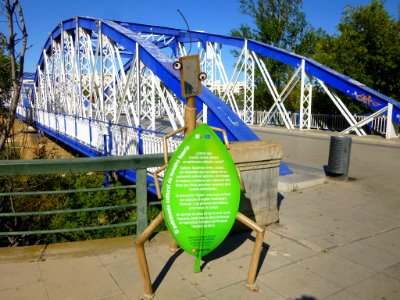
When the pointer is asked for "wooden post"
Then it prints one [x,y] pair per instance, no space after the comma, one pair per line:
[255,258]
[190,115]
[190,125]
[141,255]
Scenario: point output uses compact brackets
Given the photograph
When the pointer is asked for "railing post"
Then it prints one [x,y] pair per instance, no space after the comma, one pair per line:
[65,124]
[110,141]
[76,128]
[90,131]
[329,123]
[56,122]
[106,182]
[141,200]
[390,130]
[140,140]
[370,125]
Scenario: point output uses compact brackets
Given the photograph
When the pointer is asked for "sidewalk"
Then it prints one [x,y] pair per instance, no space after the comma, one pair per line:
[338,240]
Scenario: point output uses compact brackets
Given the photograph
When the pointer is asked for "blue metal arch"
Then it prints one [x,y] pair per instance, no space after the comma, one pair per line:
[334,79]
[220,114]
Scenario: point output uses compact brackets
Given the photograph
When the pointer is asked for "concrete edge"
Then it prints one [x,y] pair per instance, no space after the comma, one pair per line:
[302,177]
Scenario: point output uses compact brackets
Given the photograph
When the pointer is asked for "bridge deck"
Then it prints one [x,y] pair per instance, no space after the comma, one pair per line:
[338,239]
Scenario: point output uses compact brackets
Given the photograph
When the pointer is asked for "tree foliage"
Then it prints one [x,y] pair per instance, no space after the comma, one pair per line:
[281,24]
[278,23]
[5,71]
[79,200]
[366,48]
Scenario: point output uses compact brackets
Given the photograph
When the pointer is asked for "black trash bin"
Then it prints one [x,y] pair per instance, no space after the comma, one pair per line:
[339,156]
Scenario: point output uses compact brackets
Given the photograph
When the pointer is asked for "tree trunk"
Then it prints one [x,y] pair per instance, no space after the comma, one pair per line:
[17,65]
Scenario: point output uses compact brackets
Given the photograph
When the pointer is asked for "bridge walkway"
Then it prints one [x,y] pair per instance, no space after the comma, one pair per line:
[338,240]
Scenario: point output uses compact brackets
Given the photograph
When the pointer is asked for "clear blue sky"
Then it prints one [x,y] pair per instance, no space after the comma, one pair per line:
[215,16]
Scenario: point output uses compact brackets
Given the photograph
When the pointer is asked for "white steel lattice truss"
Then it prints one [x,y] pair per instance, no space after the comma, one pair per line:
[305,99]
[87,75]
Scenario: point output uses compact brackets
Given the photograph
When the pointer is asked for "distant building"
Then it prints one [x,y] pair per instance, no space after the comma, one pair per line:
[220,88]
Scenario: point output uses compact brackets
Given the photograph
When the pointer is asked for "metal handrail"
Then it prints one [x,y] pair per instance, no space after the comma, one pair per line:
[326,121]
[78,165]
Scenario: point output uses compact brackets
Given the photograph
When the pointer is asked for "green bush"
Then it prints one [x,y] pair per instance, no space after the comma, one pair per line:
[77,200]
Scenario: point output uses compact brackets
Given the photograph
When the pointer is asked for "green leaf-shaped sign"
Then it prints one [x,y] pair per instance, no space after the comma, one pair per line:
[201,193]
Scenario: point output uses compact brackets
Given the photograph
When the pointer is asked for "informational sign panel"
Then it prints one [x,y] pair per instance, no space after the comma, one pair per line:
[201,193]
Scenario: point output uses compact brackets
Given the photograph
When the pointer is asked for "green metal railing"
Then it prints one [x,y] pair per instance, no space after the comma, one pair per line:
[82,165]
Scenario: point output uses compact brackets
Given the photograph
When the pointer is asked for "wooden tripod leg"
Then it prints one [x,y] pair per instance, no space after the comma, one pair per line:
[141,256]
[173,246]
[255,258]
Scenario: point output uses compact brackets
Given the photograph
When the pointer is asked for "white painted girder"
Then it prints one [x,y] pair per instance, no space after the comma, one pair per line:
[85,74]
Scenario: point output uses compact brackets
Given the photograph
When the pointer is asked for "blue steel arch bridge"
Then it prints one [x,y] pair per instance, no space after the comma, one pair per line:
[108,87]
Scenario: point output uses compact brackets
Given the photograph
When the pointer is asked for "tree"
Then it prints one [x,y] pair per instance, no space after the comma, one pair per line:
[278,23]
[366,48]
[5,71]
[281,24]
[16,47]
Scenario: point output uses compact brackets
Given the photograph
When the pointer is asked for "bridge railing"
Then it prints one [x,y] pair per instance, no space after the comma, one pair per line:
[326,121]
[105,138]
[128,140]
[139,163]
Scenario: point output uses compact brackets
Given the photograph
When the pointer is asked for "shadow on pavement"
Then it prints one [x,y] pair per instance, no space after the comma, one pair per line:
[280,199]
[306,298]
[230,244]
[233,242]
[165,269]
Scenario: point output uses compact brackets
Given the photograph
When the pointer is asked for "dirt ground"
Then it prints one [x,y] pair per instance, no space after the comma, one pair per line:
[28,144]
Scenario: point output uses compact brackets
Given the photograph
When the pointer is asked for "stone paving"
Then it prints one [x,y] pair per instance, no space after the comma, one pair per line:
[337,240]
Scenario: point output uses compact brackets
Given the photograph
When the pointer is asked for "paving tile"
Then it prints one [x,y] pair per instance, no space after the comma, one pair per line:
[180,261]
[377,286]
[367,223]
[69,264]
[366,255]
[296,230]
[240,292]
[127,274]
[118,255]
[214,278]
[393,271]
[335,269]
[388,241]
[381,208]
[323,242]
[344,295]
[330,223]
[232,249]
[18,274]
[176,288]
[295,282]
[35,290]
[77,278]
[272,261]
[293,251]
[183,263]
[348,224]
[273,239]
[117,297]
